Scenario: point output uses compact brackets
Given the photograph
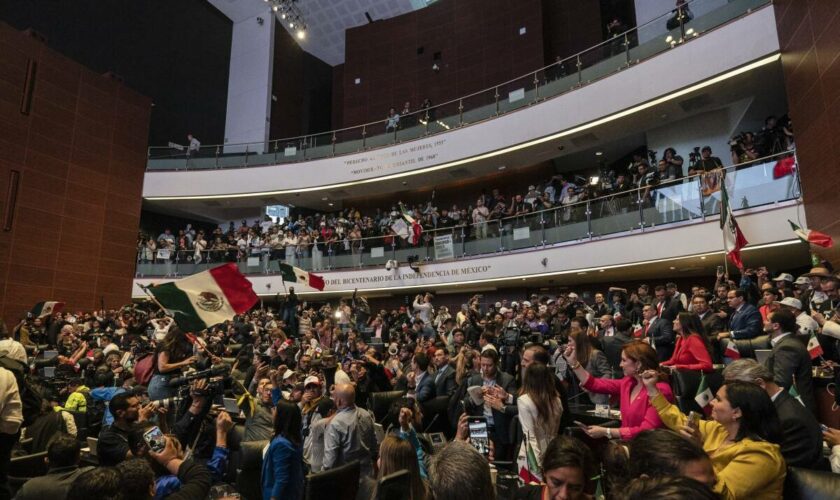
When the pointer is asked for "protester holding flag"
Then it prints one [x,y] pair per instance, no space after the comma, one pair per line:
[539,415]
[790,362]
[171,357]
[740,439]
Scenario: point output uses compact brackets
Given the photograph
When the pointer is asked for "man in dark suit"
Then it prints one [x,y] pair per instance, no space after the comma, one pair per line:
[789,362]
[445,376]
[614,344]
[660,331]
[801,439]
[712,323]
[667,307]
[745,321]
[420,382]
[498,421]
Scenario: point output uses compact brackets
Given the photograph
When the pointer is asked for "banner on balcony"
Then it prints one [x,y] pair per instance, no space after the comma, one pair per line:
[521,233]
[444,247]
[164,254]
[377,252]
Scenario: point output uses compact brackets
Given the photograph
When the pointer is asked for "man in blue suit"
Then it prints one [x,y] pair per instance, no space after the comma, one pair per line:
[745,321]
[423,383]
[660,331]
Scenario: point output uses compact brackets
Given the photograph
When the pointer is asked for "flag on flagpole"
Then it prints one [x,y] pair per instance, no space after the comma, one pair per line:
[733,238]
[44,309]
[416,229]
[811,236]
[292,274]
[795,394]
[207,298]
[814,347]
[529,471]
[704,395]
[731,350]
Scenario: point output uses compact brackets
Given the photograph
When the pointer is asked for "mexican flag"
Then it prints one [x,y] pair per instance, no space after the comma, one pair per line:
[416,229]
[731,350]
[206,299]
[784,167]
[704,395]
[529,471]
[795,394]
[814,347]
[44,309]
[292,274]
[811,236]
[733,238]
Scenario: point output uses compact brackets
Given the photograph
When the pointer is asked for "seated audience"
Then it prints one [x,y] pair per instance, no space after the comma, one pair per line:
[63,460]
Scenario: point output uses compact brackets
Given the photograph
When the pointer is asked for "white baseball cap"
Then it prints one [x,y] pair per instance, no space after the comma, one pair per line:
[790,302]
[288,374]
[312,380]
[802,280]
[784,277]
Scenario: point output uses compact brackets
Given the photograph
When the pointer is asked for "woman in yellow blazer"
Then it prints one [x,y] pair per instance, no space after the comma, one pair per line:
[739,439]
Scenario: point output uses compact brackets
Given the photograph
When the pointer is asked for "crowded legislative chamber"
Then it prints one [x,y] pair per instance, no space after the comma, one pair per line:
[419,249]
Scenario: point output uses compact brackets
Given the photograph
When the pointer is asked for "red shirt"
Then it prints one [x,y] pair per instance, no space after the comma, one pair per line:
[690,354]
[637,415]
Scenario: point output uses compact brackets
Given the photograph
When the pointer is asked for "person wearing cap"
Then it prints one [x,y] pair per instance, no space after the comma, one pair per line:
[807,324]
[789,362]
[815,295]
[312,395]
[784,283]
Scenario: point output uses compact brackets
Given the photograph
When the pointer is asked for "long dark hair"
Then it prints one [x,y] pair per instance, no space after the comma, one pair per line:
[759,419]
[538,384]
[175,344]
[288,422]
[691,324]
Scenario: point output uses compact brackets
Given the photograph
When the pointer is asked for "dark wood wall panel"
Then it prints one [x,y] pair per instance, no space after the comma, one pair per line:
[81,154]
[479,45]
[809,34]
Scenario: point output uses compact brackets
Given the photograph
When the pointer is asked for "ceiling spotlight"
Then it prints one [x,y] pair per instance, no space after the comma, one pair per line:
[599,153]
[672,268]
[502,167]
[330,203]
[283,15]
[301,34]
[324,198]
[702,257]
[274,8]
[292,24]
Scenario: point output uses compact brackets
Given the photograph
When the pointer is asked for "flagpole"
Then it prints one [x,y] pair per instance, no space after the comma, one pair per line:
[154,299]
[724,197]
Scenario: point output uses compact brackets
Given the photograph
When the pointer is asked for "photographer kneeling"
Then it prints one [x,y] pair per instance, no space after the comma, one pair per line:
[163,474]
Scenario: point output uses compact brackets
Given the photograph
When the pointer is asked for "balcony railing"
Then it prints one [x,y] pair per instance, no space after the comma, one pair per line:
[754,184]
[583,68]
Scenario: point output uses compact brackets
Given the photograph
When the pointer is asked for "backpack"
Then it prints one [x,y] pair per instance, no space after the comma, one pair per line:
[30,398]
[144,369]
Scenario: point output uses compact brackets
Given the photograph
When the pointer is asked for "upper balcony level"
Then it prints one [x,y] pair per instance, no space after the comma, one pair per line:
[515,121]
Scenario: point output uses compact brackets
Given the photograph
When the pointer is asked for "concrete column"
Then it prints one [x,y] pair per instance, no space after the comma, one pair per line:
[249,83]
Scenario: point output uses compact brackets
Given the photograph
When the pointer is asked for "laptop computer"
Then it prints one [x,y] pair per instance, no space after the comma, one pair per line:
[761,355]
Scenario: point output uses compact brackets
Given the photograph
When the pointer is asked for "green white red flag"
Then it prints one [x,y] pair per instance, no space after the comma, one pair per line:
[44,309]
[733,238]
[811,236]
[207,298]
[704,395]
[814,347]
[292,274]
[731,350]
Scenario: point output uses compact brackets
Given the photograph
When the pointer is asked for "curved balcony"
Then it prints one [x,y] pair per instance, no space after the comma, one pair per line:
[441,135]
[565,233]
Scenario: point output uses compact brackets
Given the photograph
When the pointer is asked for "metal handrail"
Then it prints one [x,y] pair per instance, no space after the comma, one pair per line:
[536,215]
[459,100]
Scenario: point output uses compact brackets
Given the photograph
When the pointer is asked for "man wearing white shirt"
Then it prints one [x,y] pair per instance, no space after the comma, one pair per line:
[194,146]
[807,324]
[423,306]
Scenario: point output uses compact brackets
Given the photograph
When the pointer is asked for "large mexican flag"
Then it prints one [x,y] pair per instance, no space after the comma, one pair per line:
[206,299]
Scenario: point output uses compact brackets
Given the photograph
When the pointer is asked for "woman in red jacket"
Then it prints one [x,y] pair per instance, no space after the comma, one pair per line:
[691,351]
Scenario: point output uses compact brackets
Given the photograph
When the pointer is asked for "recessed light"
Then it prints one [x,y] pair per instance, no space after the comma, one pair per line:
[404,183]
[599,153]
[600,270]
[702,257]
[502,167]
[324,198]
[523,279]
[582,273]
[330,204]
[672,268]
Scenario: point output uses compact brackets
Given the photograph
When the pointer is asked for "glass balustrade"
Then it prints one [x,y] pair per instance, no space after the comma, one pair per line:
[667,31]
[580,218]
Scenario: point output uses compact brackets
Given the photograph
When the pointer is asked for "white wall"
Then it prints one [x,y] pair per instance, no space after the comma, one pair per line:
[249,82]
[743,41]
